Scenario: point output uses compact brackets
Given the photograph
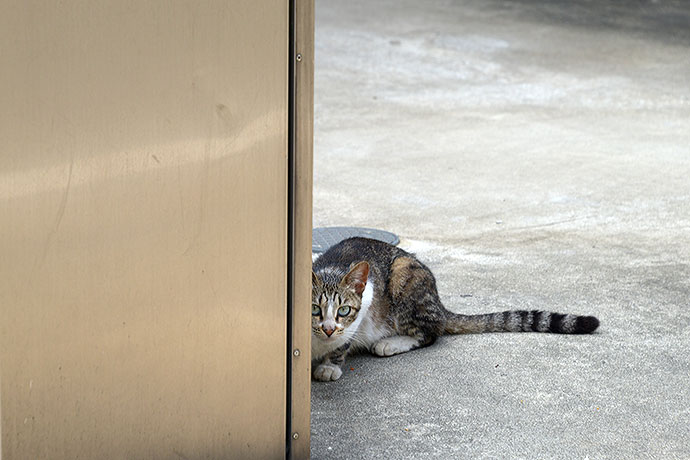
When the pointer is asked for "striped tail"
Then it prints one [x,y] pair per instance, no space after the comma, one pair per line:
[520,321]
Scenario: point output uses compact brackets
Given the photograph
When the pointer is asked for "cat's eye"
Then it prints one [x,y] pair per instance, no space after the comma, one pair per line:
[344,310]
[315,310]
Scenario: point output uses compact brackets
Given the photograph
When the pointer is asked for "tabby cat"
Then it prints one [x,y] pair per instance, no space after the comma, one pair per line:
[367,294]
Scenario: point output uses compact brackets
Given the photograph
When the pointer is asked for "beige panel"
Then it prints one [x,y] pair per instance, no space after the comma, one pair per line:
[143,222]
[304,107]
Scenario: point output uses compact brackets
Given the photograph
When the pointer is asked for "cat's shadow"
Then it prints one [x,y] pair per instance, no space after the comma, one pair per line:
[365,374]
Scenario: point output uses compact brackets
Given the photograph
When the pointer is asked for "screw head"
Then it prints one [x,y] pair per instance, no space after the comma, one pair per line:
[298,57]
[295,435]
[296,352]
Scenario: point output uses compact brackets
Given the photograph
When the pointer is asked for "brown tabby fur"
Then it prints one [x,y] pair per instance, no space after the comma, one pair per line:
[371,295]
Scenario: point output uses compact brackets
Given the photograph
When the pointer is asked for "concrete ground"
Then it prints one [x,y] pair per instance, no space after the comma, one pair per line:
[536,155]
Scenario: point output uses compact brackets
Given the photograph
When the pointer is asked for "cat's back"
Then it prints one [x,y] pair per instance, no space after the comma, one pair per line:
[359,249]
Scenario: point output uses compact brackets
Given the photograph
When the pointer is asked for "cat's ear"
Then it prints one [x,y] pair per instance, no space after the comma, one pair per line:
[315,281]
[356,279]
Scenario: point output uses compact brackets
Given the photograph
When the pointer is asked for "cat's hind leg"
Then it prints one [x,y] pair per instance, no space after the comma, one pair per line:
[415,307]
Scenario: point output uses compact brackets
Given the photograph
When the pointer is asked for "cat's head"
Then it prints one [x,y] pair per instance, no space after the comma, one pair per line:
[336,299]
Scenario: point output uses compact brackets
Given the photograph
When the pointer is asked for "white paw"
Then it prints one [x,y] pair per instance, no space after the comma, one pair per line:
[327,372]
[394,345]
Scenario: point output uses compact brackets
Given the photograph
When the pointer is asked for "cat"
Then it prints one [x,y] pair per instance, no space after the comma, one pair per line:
[371,295]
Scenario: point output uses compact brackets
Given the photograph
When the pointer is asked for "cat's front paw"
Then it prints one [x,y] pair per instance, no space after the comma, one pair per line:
[394,345]
[327,372]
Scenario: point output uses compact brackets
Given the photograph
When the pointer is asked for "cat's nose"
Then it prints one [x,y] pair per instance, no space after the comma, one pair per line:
[328,331]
